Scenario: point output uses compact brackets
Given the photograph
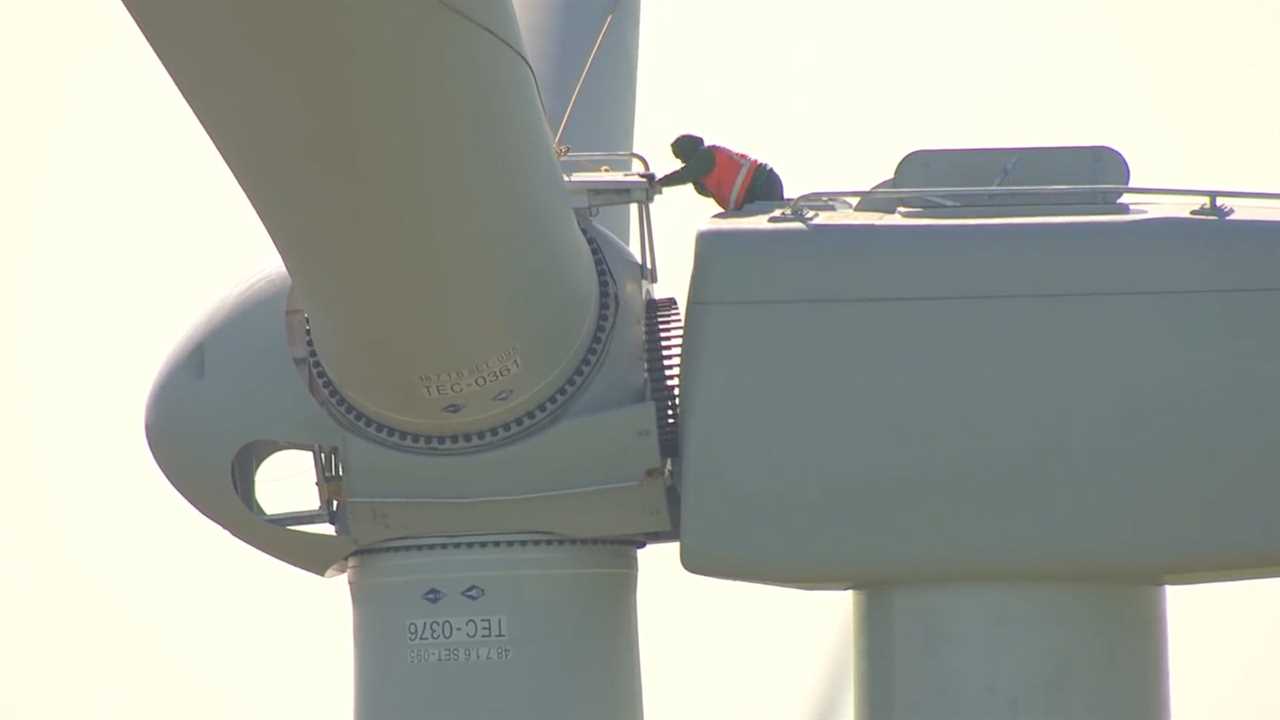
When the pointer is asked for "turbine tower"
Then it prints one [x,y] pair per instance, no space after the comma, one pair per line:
[998,402]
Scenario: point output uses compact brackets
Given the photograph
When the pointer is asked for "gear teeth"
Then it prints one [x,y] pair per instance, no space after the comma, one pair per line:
[346,414]
[664,344]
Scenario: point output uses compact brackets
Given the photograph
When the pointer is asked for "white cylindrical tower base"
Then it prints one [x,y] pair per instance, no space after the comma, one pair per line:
[483,628]
[1010,652]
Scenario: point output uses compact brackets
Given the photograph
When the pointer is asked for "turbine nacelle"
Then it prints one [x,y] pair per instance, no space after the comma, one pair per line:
[982,382]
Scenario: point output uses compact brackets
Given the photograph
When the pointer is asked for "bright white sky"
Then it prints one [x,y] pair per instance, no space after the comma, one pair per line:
[121,226]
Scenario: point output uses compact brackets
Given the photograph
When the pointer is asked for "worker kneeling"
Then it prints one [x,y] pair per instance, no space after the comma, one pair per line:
[730,178]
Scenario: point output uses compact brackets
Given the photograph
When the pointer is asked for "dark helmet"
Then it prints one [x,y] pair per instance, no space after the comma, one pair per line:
[685,146]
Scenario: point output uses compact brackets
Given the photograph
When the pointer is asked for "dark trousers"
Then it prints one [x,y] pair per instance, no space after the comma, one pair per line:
[765,185]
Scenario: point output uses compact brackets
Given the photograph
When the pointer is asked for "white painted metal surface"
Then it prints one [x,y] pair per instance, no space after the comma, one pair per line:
[232,382]
[1010,651]
[874,399]
[496,628]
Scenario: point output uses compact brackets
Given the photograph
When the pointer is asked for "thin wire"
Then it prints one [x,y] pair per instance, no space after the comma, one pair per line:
[604,29]
[532,73]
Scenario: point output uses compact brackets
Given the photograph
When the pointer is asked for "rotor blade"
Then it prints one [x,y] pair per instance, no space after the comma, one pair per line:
[398,155]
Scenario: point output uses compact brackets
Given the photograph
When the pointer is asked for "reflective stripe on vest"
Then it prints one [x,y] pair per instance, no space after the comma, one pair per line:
[729,179]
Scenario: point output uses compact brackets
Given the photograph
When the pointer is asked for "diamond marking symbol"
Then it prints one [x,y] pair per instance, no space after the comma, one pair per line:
[433,596]
[453,408]
[503,396]
[473,593]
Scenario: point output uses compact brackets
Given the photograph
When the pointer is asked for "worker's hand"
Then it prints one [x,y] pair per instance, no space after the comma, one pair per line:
[650,177]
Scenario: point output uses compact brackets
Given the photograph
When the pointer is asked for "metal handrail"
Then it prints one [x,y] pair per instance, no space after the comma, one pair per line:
[649,266]
[795,207]
[648,251]
[619,155]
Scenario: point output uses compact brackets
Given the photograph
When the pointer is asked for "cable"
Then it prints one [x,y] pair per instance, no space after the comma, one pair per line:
[604,29]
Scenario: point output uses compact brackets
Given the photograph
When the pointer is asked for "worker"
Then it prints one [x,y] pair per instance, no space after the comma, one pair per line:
[730,178]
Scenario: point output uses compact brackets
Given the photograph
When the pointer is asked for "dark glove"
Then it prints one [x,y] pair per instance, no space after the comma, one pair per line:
[649,177]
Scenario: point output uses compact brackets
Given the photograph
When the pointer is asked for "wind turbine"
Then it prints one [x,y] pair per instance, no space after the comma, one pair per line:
[484,380]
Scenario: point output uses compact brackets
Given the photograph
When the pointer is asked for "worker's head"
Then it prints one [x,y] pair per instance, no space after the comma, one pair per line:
[685,146]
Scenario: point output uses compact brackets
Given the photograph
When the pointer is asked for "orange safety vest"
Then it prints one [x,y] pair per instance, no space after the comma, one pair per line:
[728,180]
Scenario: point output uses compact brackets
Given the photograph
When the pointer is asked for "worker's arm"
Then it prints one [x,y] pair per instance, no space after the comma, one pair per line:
[702,162]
